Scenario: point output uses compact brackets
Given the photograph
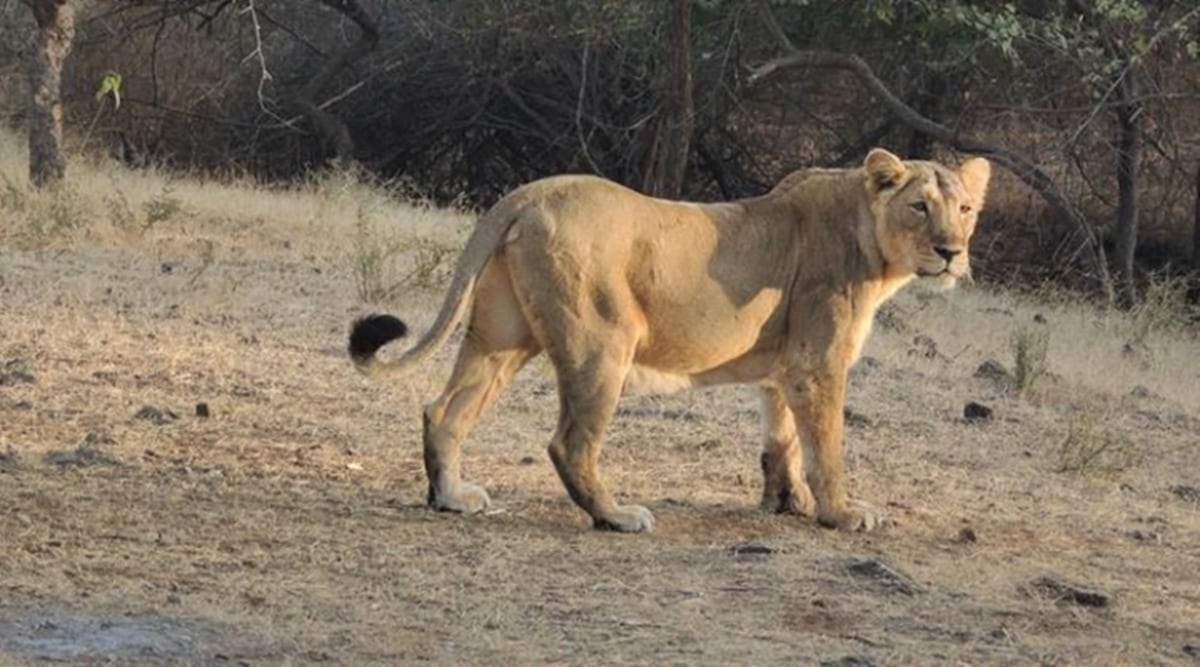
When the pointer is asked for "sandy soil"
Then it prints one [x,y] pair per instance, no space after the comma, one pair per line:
[288,526]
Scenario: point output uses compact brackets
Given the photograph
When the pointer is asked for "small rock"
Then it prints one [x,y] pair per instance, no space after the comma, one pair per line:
[967,535]
[355,466]
[155,415]
[202,410]
[109,377]
[891,580]
[976,412]
[848,661]
[1188,494]
[865,367]
[888,319]
[924,346]
[752,551]
[1145,536]
[15,371]
[1062,591]
[1140,392]
[97,438]
[10,459]
[856,419]
[993,370]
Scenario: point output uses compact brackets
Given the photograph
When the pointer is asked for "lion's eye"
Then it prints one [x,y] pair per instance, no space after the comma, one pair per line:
[964,209]
[920,207]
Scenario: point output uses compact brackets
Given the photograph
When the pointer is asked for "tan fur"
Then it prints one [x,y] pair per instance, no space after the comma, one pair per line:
[628,293]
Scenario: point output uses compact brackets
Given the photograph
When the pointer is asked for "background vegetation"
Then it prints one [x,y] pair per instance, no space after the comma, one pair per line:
[1096,105]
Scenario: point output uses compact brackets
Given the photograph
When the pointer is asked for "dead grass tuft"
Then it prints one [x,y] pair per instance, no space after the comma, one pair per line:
[1091,447]
[1030,346]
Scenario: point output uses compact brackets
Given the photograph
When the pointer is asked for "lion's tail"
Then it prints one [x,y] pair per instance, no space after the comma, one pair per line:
[374,331]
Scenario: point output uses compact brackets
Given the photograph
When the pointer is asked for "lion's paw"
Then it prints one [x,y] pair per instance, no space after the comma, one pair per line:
[626,519]
[798,500]
[466,498]
[855,517]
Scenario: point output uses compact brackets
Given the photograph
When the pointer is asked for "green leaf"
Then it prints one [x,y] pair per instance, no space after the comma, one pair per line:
[110,85]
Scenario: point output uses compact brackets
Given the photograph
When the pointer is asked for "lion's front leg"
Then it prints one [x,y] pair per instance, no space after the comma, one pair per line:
[817,397]
[784,489]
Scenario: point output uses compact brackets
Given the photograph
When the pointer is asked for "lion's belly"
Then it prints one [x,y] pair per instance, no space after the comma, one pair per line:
[753,367]
[703,333]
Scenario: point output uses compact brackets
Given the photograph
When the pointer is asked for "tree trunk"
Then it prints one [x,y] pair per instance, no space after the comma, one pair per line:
[1196,226]
[1193,295]
[1129,144]
[927,102]
[55,36]
[331,128]
[667,161]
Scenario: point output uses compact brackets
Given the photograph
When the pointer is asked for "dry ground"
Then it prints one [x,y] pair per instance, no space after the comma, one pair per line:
[288,526]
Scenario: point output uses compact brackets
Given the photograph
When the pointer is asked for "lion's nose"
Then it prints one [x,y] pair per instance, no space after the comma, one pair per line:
[947,253]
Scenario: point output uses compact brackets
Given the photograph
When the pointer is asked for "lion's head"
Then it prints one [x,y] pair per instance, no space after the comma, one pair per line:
[925,213]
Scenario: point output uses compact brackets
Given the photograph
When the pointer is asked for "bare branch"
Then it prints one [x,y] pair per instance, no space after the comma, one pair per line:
[257,53]
[583,144]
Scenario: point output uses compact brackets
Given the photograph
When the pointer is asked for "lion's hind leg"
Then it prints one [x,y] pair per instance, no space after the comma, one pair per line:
[480,376]
[784,488]
[498,343]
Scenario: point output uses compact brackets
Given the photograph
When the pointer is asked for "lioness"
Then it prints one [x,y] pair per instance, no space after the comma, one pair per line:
[629,293]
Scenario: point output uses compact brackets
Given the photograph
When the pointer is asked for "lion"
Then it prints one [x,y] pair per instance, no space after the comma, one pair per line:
[628,293]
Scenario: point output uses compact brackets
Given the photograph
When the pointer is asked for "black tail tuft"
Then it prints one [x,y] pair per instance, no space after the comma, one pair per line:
[373,332]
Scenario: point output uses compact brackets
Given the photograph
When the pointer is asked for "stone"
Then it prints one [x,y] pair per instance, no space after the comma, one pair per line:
[752,551]
[1189,494]
[155,415]
[888,577]
[924,346]
[1062,591]
[976,412]
[993,370]
[15,371]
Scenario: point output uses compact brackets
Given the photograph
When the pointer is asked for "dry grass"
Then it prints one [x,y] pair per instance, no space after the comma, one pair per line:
[288,526]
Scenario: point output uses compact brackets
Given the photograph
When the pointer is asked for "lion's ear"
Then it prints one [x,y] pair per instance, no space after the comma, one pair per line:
[884,168]
[975,174]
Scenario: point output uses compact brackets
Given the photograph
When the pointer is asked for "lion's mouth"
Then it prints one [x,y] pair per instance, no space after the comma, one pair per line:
[945,269]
